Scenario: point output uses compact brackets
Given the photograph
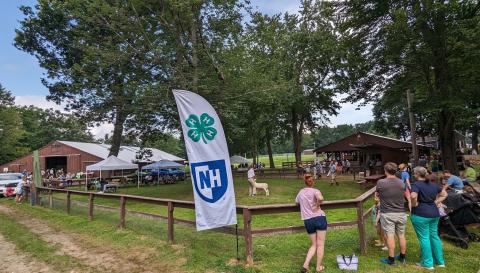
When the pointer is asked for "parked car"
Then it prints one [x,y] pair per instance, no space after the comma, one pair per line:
[173,172]
[9,178]
[9,190]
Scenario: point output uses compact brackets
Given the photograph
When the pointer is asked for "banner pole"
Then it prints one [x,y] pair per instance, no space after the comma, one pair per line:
[236,233]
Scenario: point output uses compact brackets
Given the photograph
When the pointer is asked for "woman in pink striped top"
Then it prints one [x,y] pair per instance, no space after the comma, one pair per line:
[315,221]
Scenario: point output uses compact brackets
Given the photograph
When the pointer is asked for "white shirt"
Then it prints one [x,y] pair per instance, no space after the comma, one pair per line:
[251,173]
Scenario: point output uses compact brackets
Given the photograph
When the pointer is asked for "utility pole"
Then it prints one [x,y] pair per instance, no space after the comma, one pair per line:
[413,133]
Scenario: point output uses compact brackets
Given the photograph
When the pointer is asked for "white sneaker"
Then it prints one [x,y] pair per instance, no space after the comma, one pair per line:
[385,248]
[441,265]
[423,267]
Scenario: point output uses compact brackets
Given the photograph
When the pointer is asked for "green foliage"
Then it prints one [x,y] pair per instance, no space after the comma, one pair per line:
[326,135]
[44,126]
[24,129]
[418,45]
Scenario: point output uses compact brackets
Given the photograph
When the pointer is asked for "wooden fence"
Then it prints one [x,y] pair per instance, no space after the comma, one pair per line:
[248,213]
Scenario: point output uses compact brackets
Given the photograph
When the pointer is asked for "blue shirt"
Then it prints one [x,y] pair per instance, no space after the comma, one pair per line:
[455,182]
[427,193]
[404,175]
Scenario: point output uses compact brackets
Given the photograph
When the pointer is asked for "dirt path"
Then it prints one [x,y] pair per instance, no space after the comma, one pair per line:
[102,258]
[12,261]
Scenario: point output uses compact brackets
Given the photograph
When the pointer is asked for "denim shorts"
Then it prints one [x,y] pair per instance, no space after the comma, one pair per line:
[315,223]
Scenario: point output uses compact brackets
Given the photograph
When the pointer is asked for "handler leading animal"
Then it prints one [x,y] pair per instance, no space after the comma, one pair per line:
[253,185]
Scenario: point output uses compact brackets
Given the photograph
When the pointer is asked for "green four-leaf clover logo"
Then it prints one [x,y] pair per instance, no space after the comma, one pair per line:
[201,128]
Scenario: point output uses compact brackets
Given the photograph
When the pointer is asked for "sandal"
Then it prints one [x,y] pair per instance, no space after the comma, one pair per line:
[322,268]
[303,270]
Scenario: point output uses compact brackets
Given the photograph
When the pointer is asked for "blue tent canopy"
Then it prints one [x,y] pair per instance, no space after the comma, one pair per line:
[162,164]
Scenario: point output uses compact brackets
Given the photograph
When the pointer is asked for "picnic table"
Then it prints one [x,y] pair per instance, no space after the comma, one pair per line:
[371,179]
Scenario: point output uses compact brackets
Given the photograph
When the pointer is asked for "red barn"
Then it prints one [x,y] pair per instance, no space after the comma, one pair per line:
[74,157]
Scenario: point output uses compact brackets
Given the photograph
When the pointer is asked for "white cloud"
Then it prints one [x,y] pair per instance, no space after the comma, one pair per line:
[102,130]
[349,114]
[41,102]
[38,101]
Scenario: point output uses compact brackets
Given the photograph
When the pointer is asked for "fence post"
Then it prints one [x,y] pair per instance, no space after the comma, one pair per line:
[247,232]
[123,200]
[50,198]
[37,197]
[68,202]
[90,206]
[170,222]
[361,227]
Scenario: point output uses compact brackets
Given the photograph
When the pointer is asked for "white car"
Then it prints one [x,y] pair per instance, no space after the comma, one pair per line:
[9,178]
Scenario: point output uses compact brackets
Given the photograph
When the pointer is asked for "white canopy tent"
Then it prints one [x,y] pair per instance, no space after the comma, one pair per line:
[236,159]
[111,163]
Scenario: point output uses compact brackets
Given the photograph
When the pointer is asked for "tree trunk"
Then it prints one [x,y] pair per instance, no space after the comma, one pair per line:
[295,136]
[117,131]
[446,134]
[297,132]
[193,37]
[254,152]
[413,133]
[269,150]
[475,129]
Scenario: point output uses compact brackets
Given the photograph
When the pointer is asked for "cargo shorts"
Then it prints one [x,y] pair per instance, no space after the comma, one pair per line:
[393,223]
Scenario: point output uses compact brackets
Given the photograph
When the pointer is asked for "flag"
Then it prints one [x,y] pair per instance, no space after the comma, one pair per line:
[209,160]
[37,176]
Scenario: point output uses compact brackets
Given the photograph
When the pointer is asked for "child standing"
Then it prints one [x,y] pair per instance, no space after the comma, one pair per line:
[376,220]
[405,176]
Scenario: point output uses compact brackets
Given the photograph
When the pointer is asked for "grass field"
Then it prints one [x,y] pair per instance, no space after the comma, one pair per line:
[211,252]
[279,158]
[282,191]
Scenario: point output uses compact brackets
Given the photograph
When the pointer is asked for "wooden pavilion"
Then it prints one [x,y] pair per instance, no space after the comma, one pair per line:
[360,148]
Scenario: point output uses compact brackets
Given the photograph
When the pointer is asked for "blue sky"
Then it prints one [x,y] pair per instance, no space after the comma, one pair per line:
[21,74]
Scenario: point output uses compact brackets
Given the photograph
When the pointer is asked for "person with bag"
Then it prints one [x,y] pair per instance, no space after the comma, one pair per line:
[314,220]
[393,218]
[427,198]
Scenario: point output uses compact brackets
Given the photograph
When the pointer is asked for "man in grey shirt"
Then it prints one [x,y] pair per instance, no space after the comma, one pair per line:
[393,218]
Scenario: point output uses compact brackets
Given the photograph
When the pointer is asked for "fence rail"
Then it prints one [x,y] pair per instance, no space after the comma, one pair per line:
[246,211]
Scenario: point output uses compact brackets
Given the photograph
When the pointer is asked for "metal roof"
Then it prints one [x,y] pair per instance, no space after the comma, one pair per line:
[127,153]
[361,139]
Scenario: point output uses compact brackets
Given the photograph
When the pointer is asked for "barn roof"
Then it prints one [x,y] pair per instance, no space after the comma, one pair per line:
[363,140]
[127,153]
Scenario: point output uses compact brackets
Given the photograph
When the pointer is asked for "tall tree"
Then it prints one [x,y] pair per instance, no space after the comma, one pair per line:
[11,129]
[97,54]
[407,43]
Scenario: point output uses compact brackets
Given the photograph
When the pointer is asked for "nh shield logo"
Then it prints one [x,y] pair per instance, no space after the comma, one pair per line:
[210,179]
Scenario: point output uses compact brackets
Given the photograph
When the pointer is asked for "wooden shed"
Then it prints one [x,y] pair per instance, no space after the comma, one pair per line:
[74,157]
[360,148]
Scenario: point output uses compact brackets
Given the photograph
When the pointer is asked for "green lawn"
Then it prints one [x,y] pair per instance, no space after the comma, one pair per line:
[282,191]
[211,252]
[279,158]
[32,245]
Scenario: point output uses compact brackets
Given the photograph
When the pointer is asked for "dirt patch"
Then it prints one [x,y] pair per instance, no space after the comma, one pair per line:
[102,258]
[12,261]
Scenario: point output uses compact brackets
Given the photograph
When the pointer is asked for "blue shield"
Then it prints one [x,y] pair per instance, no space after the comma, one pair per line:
[210,179]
